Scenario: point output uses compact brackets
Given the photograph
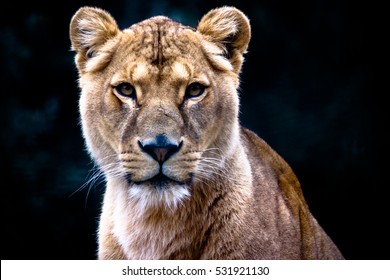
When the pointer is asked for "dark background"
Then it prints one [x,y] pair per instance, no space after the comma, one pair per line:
[309,88]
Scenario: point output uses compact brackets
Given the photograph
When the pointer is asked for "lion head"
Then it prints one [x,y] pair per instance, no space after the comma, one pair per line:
[159,103]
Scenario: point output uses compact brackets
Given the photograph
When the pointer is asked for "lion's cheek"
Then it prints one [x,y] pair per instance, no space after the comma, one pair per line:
[210,129]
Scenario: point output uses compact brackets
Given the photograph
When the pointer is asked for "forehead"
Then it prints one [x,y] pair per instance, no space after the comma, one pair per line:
[160,41]
[157,48]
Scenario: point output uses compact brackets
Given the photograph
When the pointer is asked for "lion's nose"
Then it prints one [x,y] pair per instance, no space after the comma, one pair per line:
[160,148]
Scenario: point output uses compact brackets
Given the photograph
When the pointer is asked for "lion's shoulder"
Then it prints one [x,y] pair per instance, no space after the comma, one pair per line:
[261,155]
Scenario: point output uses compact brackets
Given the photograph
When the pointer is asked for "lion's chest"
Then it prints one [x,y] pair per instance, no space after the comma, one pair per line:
[157,236]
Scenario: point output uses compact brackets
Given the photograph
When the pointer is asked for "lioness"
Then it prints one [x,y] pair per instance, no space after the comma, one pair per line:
[159,113]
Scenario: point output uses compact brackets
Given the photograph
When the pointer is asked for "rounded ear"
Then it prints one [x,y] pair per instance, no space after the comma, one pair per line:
[229,28]
[90,29]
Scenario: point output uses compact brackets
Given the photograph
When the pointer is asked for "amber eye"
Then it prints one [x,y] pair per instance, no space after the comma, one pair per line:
[195,90]
[126,90]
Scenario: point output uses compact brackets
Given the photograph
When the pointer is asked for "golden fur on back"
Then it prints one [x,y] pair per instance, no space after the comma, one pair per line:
[159,111]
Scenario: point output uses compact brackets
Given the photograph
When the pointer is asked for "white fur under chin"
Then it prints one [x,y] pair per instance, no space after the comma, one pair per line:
[147,197]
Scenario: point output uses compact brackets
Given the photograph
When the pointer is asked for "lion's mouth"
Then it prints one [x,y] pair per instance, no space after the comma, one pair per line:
[159,181]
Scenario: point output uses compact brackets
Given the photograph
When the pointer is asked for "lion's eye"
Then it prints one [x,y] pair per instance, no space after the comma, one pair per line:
[195,90]
[125,89]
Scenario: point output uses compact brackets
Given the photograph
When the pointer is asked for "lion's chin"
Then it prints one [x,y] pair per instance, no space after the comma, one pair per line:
[159,191]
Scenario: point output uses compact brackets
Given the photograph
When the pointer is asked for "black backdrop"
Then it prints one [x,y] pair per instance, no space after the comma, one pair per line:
[308,88]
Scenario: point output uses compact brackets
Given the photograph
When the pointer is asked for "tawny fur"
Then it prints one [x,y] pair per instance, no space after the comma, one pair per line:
[228,194]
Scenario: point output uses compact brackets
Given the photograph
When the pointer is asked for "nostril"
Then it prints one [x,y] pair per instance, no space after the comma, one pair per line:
[160,150]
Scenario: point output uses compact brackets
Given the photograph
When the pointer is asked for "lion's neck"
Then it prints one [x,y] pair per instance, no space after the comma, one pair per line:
[180,232]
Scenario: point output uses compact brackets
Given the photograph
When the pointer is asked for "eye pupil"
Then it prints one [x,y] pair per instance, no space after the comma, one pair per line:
[125,89]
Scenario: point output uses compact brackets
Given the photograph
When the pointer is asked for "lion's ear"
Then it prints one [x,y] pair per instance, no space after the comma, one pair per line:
[229,28]
[90,29]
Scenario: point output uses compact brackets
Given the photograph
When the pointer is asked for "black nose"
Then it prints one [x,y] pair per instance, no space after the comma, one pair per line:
[160,148]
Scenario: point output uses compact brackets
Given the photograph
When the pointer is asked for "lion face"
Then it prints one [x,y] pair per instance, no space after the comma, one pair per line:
[159,103]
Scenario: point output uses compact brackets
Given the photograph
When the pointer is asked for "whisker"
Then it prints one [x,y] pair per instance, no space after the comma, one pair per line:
[98,174]
[211,168]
